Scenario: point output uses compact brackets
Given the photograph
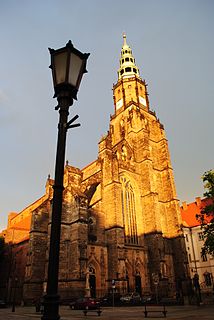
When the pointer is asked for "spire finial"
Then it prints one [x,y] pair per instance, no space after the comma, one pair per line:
[124,39]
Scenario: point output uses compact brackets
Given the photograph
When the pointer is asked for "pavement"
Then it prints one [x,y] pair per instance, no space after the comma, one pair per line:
[205,312]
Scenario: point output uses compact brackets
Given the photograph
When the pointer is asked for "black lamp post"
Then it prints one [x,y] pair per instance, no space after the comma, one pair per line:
[68,66]
[14,294]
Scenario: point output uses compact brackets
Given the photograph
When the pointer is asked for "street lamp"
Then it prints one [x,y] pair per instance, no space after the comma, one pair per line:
[14,294]
[68,66]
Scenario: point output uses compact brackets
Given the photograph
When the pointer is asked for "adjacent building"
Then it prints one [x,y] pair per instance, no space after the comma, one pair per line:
[201,264]
[121,218]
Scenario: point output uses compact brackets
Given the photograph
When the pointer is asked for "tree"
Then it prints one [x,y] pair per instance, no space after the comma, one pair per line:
[206,217]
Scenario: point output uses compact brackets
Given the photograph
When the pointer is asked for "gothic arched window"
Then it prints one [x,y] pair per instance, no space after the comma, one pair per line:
[129,212]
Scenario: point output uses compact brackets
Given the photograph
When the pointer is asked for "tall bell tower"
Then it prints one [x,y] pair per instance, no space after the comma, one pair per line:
[130,87]
[139,199]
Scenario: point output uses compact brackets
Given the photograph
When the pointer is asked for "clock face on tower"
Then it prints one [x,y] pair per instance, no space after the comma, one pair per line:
[142,100]
[119,104]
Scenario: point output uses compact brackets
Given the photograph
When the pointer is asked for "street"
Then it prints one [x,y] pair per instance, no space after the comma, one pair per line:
[205,312]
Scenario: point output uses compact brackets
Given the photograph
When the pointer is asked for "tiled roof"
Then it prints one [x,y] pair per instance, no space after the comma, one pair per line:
[24,224]
[190,210]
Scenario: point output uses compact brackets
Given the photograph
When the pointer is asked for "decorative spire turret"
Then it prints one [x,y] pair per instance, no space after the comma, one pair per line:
[128,67]
[130,88]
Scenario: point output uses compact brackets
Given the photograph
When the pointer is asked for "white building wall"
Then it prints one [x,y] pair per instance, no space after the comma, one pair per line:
[203,266]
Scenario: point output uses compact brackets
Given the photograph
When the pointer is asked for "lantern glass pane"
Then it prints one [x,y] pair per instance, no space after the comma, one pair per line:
[60,62]
[74,69]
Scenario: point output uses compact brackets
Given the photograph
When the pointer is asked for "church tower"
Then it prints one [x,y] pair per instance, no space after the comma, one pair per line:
[139,198]
[130,86]
[121,220]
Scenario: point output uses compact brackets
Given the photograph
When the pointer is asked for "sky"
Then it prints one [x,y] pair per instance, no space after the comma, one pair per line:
[172,42]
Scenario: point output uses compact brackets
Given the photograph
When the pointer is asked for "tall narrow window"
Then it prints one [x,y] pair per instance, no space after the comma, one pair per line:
[203,256]
[208,279]
[129,212]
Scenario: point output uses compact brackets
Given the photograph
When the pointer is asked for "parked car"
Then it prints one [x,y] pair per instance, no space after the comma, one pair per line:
[85,303]
[149,299]
[109,299]
[171,301]
[133,298]
[2,303]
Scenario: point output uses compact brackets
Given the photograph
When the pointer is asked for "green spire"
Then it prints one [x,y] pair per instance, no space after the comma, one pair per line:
[128,67]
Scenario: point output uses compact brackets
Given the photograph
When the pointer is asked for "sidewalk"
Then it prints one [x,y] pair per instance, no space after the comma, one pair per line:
[205,312]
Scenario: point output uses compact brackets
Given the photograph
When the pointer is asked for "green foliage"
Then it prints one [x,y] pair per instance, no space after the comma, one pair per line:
[208,179]
[206,217]
[209,239]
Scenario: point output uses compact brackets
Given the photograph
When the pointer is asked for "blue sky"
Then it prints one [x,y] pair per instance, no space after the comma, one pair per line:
[172,42]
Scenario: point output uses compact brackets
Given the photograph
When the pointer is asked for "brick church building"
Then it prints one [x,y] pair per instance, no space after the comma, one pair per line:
[121,217]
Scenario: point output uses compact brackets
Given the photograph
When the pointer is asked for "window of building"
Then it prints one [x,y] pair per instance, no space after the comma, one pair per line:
[129,212]
[122,60]
[187,239]
[126,59]
[203,256]
[128,69]
[131,59]
[207,279]
[164,269]
[135,71]
[124,153]
[122,71]
[190,258]
[200,236]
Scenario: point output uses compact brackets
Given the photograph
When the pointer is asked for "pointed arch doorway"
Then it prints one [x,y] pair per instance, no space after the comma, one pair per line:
[138,287]
[92,282]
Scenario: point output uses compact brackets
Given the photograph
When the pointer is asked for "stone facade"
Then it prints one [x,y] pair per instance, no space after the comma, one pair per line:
[121,218]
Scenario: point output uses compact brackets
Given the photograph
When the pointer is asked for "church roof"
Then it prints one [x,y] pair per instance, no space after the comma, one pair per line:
[23,224]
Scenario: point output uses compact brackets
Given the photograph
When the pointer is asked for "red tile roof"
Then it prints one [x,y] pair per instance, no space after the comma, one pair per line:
[189,211]
[24,224]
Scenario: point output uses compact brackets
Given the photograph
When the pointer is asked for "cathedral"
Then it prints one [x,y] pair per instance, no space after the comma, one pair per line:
[121,222]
